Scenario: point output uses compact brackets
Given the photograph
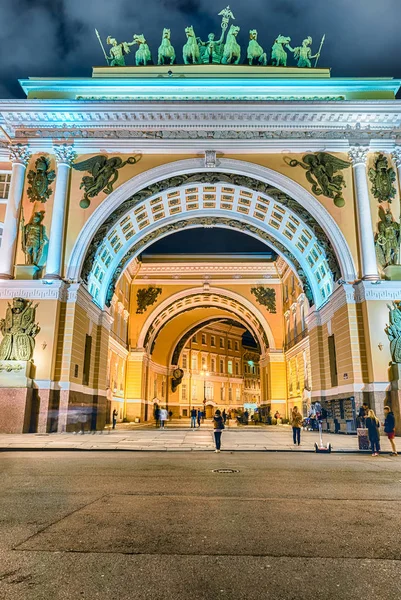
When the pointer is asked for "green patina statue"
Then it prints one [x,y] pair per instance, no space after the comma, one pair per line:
[279,55]
[322,172]
[393,332]
[104,174]
[232,50]
[266,297]
[166,52]
[142,56]
[387,240]
[191,52]
[39,189]
[146,297]
[34,238]
[19,330]
[117,52]
[304,53]
[255,52]
[382,177]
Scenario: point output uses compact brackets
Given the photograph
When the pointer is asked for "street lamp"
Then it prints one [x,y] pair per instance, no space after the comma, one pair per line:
[205,374]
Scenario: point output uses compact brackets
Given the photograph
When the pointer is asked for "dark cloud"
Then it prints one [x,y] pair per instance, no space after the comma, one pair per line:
[55,38]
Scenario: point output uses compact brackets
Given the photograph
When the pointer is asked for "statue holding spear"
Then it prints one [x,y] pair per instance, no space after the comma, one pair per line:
[304,53]
[117,51]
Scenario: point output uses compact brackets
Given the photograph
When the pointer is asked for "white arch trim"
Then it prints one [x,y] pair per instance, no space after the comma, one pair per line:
[155,317]
[216,319]
[224,165]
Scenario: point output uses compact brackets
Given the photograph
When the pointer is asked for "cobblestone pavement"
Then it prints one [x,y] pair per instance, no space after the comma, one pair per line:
[173,438]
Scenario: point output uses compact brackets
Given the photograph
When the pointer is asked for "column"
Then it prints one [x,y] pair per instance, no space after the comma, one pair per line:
[64,158]
[19,156]
[369,270]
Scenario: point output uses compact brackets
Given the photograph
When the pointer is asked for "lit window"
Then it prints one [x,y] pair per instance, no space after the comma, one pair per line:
[230,367]
[5,181]
[194,363]
[184,391]
[238,394]
[213,365]
[194,392]
[184,361]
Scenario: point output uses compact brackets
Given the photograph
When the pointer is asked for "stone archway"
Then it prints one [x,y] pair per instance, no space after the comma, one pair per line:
[287,217]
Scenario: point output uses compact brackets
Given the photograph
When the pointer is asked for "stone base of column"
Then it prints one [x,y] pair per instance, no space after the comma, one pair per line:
[27,272]
[393,273]
[6,276]
[51,276]
[371,278]
[16,408]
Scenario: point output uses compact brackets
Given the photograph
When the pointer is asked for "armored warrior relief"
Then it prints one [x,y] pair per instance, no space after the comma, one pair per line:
[393,332]
[39,189]
[387,240]
[382,177]
[34,238]
[19,330]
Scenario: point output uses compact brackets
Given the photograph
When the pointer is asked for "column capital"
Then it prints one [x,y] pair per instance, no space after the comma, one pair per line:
[358,155]
[19,154]
[65,154]
[396,156]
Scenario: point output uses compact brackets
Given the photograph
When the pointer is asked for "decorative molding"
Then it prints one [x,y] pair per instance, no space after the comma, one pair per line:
[33,290]
[396,156]
[210,159]
[65,154]
[383,290]
[358,155]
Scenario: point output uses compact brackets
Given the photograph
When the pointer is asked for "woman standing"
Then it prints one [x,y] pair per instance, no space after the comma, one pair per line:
[373,426]
[296,422]
[218,426]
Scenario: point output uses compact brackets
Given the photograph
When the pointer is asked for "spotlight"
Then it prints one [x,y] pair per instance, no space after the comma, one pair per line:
[170,73]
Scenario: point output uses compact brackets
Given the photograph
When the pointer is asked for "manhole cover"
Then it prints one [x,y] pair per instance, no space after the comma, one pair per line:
[225,471]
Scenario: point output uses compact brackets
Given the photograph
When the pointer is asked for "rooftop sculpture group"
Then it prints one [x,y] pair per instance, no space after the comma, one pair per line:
[225,50]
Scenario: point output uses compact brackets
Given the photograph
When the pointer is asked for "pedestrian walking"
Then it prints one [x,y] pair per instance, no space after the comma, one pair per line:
[115,415]
[373,426]
[389,428]
[157,415]
[193,418]
[296,422]
[218,426]
[224,415]
[199,417]
[163,417]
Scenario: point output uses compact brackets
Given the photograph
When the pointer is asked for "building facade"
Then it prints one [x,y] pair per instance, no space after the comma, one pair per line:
[94,171]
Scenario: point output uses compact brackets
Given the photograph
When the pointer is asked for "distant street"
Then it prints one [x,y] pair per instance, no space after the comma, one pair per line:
[159,525]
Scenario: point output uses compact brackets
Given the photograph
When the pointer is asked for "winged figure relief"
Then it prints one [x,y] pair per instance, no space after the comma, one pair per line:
[103,175]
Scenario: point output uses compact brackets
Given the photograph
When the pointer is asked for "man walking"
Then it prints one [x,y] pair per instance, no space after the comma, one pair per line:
[296,422]
[115,415]
[193,418]
[199,417]
[389,428]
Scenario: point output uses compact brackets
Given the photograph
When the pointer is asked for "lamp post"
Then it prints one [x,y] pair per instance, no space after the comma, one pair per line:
[205,374]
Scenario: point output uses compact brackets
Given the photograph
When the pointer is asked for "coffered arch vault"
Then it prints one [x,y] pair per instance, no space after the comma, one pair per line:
[234,195]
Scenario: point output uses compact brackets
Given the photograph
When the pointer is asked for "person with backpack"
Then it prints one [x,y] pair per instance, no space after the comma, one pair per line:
[389,428]
[218,426]
[193,418]
[372,424]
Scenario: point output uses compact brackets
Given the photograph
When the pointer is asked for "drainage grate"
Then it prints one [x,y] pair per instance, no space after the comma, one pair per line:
[225,471]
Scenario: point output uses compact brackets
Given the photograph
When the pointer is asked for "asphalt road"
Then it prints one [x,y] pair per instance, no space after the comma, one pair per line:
[161,526]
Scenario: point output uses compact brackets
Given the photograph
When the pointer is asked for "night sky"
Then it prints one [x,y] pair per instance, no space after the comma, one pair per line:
[55,38]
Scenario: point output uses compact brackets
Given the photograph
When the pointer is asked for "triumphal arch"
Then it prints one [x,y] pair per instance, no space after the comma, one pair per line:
[232,140]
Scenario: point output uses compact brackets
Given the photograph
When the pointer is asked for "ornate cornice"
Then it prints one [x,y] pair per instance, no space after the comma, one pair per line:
[19,153]
[65,155]
[358,155]
[33,290]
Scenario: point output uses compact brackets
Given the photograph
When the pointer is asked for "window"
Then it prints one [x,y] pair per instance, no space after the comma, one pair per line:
[163,388]
[194,392]
[229,344]
[230,394]
[222,393]
[236,346]
[236,368]
[221,366]
[213,365]
[221,343]
[230,367]
[204,339]
[184,361]
[238,394]
[5,181]
[184,391]
[195,339]
[194,363]
[155,387]
[204,365]
[87,360]
[209,391]
[213,340]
